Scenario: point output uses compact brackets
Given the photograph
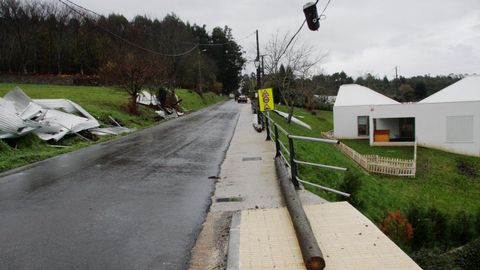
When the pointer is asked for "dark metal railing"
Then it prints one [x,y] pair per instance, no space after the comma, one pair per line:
[292,161]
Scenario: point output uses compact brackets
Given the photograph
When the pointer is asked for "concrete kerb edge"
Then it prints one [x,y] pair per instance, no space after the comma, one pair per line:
[212,195]
[233,261]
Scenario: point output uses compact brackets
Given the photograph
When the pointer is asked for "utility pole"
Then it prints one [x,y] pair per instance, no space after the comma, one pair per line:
[199,74]
[199,87]
[259,80]
[397,83]
[263,71]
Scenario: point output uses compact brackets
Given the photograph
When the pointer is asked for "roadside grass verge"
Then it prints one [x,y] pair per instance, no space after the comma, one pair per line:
[101,102]
[443,180]
[192,101]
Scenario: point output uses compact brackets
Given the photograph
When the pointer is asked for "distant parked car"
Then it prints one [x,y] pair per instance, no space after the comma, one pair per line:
[242,99]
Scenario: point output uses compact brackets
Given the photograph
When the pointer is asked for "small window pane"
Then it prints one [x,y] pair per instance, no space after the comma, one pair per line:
[363,128]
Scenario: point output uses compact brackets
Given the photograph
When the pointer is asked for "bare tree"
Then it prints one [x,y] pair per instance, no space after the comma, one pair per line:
[129,72]
[289,67]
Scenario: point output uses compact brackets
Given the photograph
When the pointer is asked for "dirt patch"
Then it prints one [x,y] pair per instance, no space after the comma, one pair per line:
[211,248]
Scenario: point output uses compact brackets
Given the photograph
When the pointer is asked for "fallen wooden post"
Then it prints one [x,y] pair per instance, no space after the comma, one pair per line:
[312,255]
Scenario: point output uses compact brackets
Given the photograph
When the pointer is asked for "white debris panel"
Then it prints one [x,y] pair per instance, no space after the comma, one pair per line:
[49,119]
[294,119]
[148,99]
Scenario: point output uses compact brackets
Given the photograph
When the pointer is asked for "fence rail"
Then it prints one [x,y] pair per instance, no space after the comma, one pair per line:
[273,132]
[382,165]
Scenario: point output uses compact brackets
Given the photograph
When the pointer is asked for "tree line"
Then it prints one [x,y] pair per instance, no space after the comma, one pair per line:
[303,90]
[51,38]
[290,71]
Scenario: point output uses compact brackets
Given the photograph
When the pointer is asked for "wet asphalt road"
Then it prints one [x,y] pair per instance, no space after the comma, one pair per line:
[133,203]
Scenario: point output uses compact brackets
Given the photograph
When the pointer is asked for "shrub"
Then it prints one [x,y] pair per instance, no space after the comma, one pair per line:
[439,226]
[477,223]
[467,257]
[421,232]
[162,93]
[461,228]
[432,259]
[352,184]
[397,227]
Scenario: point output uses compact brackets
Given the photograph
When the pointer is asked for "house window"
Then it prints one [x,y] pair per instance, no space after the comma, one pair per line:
[460,129]
[363,128]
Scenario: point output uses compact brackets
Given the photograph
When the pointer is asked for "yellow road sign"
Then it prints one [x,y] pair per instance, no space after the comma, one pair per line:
[265,99]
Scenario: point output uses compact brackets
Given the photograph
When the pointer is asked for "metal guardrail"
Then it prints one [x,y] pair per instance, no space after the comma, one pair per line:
[321,165]
[312,139]
[290,150]
[324,188]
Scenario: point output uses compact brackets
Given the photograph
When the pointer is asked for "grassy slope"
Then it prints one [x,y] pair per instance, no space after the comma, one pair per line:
[101,102]
[438,181]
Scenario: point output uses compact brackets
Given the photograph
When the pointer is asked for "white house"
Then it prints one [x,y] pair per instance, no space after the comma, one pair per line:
[447,120]
[352,109]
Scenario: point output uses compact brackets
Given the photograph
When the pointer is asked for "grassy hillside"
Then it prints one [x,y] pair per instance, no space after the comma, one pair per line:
[101,102]
[440,180]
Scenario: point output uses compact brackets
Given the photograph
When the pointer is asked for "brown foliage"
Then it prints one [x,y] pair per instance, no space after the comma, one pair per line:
[397,227]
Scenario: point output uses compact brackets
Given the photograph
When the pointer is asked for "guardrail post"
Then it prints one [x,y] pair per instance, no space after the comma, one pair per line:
[268,126]
[293,165]
[262,121]
[277,143]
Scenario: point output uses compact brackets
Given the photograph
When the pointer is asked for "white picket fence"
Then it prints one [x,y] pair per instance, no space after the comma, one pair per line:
[379,164]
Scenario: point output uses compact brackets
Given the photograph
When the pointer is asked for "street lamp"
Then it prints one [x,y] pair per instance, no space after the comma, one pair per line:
[256,62]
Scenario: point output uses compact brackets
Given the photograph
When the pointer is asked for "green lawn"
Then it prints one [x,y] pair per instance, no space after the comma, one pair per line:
[101,102]
[438,182]
[363,147]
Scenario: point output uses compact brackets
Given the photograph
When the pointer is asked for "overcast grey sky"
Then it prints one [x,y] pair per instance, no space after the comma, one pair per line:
[419,36]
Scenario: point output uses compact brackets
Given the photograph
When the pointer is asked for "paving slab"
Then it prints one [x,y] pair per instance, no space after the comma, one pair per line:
[348,240]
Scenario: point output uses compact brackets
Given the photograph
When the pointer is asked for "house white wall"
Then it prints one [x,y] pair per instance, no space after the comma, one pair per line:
[345,121]
[431,123]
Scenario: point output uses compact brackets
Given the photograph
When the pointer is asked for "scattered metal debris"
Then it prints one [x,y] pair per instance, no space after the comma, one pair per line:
[170,109]
[146,98]
[111,130]
[49,119]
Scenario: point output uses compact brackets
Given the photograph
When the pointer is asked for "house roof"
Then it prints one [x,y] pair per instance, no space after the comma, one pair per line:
[354,95]
[467,89]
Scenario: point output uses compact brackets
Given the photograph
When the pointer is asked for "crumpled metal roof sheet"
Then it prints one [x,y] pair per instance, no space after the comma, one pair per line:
[145,98]
[21,115]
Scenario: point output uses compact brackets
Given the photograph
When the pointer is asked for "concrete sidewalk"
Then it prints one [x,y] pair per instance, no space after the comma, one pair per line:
[247,181]
[248,221]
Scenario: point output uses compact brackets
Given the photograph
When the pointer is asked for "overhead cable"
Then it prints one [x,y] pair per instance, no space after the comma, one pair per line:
[68,4]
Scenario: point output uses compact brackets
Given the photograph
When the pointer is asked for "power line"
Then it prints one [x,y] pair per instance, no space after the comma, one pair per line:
[325,8]
[225,43]
[322,15]
[291,40]
[118,36]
